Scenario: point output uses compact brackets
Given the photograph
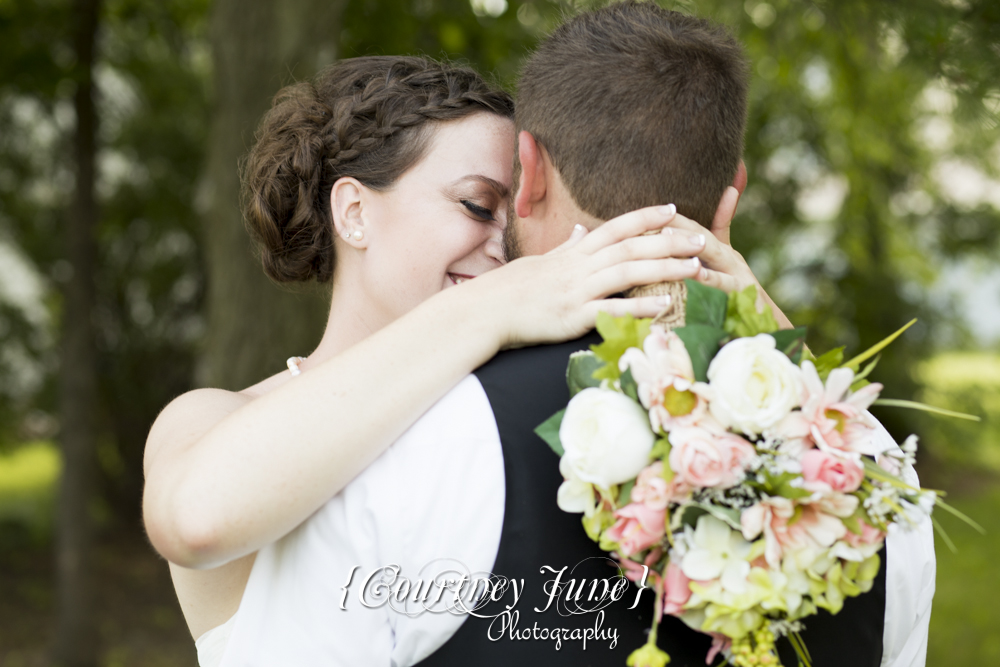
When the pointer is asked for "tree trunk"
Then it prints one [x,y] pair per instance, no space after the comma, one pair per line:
[254,325]
[75,642]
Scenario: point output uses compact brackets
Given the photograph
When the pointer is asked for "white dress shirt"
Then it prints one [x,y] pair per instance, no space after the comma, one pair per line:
[439,493]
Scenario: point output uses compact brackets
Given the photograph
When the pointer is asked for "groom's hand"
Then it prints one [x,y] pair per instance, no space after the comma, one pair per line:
[722,265]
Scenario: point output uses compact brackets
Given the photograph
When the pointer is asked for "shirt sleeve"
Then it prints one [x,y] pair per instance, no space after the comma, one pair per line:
[909,586]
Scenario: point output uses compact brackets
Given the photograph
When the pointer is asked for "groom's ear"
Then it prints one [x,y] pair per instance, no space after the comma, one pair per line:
[740,180]
[726,211]
[531,185]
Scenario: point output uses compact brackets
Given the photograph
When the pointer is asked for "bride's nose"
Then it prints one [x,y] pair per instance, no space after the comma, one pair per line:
[494,248]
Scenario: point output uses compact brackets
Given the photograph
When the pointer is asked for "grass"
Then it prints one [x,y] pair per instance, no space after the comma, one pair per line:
[27,487]
[966,614]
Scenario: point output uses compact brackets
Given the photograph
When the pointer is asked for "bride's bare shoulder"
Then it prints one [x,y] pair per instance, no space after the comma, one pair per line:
[189,416]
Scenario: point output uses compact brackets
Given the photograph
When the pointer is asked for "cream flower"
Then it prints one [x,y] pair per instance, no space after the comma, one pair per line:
[717,552]
[606,437]
[574,495]
[752,385]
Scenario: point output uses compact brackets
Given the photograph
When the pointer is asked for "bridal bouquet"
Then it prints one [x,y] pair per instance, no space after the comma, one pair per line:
[735,472]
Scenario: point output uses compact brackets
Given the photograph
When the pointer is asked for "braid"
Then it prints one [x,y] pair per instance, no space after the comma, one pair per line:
[364,118]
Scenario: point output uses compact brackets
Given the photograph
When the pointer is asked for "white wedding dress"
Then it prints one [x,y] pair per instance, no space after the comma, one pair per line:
[212,644]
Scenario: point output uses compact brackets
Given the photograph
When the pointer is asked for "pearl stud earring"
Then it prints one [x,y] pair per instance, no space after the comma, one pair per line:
[358,234]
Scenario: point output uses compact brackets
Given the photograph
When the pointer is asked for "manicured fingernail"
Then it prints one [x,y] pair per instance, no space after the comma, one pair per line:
[667,230]
[579,228]
[696,262]
[664,300]
[669,210]
[698,239]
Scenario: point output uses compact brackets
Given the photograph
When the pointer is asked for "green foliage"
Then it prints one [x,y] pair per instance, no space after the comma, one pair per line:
[661,450]
[828,361]
[702,344]
[742,317]
[705,305]
[619,334]
[791,342]
[548,431]
[580,372]
[628,385]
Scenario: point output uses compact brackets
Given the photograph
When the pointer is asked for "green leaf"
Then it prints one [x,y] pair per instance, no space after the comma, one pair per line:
[827,362]
[661,450]
[702,343]
[855,363]
[791,342]
[859,379]
[948,508]
[597,523]
[781,485]
[548,431]
[742,317]
[913,405]
[580,372]
[691,512]
[625,493]
[705,305]
[939,529]
[619,333]
[628,385]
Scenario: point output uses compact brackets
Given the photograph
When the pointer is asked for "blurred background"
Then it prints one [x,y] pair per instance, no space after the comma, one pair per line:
[126,277]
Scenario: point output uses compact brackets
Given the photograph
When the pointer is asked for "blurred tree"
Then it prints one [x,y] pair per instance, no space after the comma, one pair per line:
[76,633]
[254,325]
[849,215]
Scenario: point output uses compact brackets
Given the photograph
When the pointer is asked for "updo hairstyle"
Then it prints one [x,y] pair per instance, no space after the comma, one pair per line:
[367,118]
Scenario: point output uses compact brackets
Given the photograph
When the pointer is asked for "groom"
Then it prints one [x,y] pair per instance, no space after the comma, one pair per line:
[623,107]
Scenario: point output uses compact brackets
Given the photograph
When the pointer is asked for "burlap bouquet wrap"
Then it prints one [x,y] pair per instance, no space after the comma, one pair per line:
[673,316]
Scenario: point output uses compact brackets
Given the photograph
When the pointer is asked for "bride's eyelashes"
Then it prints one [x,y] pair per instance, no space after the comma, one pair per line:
[478,211]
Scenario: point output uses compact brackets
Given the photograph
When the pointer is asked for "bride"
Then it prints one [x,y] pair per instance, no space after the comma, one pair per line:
[388,176]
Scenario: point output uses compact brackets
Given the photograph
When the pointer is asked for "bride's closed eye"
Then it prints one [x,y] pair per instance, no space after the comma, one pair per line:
[478,211]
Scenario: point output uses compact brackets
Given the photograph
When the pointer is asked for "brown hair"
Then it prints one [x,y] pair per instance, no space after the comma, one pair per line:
[637,106]
[363,117]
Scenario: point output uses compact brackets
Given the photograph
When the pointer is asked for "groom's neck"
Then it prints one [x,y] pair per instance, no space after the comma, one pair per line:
[552,220]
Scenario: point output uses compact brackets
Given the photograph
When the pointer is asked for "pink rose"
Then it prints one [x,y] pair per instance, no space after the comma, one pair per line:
[720,642]
[651,489]
[869,535]
[634,572]
[703,458]
[677,590]
[638,527]
[823,471]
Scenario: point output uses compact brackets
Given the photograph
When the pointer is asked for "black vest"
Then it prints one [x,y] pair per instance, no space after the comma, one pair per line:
[525,387]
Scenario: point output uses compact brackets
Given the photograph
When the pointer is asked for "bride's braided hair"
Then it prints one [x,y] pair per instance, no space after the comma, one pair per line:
[366,118]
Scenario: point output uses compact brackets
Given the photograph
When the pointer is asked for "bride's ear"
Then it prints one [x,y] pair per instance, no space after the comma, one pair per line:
[531,185]
[347,200]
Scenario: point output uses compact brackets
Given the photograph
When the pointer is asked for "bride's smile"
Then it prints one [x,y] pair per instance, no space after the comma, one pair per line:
[439,225]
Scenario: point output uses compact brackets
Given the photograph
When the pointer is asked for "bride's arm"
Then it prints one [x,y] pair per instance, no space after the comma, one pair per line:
[227,474]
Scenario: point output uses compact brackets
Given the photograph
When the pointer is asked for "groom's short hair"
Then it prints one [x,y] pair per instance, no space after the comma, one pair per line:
[636,106]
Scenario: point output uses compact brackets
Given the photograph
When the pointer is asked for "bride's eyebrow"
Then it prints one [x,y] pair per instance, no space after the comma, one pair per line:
[501,189]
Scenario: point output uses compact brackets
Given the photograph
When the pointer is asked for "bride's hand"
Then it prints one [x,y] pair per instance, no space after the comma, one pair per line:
[723,266]
[556,296]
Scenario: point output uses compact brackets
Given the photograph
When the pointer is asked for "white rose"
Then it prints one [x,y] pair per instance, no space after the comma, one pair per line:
[753,385]
[606,437]
[574,495]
